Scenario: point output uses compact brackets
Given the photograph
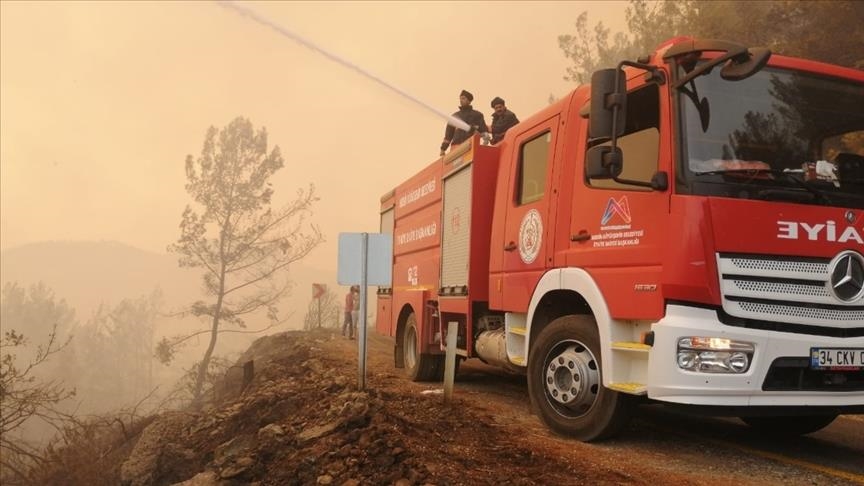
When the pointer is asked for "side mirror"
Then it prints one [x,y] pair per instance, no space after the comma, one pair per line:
[756,59]
[602,162]
[605,95]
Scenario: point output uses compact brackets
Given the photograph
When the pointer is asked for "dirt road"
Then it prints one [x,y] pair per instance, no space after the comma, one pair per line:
[659,445]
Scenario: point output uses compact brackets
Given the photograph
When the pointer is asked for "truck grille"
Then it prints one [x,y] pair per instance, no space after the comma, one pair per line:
[780,289]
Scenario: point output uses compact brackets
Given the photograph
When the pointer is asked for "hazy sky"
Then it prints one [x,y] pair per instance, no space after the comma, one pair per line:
[101,102]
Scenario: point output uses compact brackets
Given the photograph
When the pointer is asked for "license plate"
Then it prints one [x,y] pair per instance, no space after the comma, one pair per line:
[836,358]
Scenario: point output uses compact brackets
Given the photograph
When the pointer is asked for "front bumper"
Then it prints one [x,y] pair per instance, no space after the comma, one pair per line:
[668,383]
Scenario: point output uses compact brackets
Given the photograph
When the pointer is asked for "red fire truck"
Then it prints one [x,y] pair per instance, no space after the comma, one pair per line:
[688,230]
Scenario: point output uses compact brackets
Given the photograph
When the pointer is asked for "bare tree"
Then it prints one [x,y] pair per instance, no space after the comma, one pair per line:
[241,243]
[33,389]
[23,397]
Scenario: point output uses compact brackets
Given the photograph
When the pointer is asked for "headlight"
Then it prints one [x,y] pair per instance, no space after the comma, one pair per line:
[714,355]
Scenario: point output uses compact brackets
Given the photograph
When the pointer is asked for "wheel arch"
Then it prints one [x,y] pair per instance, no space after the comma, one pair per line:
[567,291]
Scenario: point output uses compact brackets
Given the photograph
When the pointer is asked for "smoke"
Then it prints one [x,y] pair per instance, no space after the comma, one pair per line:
[251,14]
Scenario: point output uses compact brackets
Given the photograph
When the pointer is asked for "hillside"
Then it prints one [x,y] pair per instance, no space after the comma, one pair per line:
[302,420]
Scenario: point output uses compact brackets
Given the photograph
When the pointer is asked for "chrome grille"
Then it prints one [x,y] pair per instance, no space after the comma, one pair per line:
[803,312]
[785,266]
[783,290]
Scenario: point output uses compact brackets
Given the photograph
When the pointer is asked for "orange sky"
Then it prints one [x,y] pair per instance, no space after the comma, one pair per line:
[101,102]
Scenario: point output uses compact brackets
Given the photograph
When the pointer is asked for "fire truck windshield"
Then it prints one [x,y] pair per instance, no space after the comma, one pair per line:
[777,135]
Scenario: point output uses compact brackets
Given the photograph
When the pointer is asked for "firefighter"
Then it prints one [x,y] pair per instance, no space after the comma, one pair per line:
[466,113]
[502,119]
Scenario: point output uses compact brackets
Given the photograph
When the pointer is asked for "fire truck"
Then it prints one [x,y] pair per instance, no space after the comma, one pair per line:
[688,229]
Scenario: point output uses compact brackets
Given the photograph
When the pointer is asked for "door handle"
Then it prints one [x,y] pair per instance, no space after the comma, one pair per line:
[582,236]
[510,246]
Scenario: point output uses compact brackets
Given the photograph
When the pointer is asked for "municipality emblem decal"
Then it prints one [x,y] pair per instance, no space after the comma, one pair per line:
[530,236]
[621,207]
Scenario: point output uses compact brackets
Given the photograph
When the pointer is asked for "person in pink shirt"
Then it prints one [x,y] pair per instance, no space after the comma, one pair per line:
[348,323]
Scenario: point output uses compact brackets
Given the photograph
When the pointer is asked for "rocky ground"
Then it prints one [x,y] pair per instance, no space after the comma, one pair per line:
[302,420]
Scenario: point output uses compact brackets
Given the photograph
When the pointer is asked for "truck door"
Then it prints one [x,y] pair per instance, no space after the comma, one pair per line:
[526,242]
[617,230]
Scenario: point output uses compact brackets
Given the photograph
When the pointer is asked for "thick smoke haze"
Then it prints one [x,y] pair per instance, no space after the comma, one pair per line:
[101,103]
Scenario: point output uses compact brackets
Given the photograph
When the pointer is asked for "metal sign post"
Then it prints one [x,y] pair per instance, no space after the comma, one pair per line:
[450,360]
[364,259]
[361,337]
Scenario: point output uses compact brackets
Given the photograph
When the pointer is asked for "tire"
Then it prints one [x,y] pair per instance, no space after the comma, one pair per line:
[565,382]
[419,366]
[789,425]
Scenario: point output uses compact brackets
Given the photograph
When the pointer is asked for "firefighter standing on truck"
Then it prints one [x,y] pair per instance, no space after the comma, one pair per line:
[466,113]
[502,119]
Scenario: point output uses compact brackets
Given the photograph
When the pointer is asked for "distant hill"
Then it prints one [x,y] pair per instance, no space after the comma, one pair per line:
[87,273]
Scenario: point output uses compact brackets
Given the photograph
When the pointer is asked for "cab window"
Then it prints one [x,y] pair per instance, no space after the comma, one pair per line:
[640,143]
[533,163]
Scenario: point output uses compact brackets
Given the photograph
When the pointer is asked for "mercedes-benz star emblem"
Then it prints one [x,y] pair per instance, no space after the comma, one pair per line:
[846,276]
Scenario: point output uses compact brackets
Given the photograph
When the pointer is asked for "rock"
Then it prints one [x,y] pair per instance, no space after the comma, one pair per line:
[225,452]
[316,432]
[324,479]
[206,478]
[156,442]
[355,411]
[271,433]
[239,467]
[232,471]
[245,461]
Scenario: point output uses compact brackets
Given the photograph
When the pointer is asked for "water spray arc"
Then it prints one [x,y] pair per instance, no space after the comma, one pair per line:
[255,16]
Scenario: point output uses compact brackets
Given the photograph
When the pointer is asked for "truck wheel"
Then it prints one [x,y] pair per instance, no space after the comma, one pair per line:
[565,382]
[789,425]
[419,366]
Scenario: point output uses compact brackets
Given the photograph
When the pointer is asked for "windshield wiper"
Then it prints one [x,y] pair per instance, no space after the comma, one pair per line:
[817,194]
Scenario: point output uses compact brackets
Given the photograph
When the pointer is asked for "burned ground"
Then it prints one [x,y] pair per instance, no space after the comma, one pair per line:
[302,420]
